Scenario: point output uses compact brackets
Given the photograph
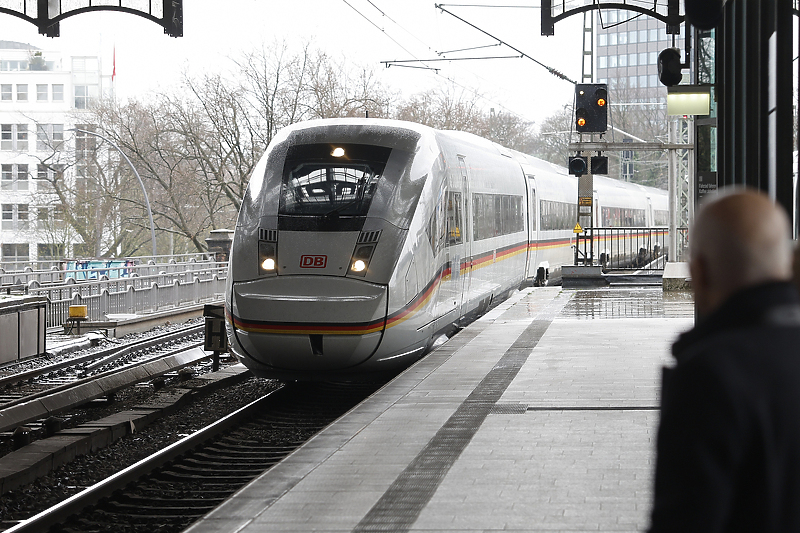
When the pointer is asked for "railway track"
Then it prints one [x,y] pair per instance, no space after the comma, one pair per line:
[54,388]
[171,489]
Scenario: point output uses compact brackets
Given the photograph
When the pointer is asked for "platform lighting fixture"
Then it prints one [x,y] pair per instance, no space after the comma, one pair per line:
[689,100]
[338,152]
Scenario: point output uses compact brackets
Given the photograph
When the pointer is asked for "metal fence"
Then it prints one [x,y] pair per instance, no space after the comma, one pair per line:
[624,248]
[21,274]
[185,284]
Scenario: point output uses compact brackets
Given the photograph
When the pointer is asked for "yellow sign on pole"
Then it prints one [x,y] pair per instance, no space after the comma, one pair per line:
[577,229]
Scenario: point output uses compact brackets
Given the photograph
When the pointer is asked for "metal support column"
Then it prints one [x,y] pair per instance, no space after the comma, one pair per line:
[672,158]
[587,68]
[754,81]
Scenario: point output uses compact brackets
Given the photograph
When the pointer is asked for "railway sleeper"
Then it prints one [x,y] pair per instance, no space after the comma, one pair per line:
[158,508]
[232,455]
[246,461]
[134,499]
[178,492]
[214,480]
[192,465]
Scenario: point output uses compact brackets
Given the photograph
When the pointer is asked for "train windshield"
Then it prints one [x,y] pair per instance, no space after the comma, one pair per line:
[329,187]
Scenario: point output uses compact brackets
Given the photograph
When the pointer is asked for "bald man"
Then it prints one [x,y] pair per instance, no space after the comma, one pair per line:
[728,448]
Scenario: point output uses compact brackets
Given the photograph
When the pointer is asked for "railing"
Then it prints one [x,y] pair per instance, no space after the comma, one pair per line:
[624,248]
[44,272]
[134,294]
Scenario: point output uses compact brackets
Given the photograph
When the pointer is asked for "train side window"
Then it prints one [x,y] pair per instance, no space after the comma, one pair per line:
[454,218]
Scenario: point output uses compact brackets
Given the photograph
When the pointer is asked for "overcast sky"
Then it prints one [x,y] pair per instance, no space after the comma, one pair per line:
[365,32]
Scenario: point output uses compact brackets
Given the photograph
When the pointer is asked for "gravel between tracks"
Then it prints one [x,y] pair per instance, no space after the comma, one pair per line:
[87,470]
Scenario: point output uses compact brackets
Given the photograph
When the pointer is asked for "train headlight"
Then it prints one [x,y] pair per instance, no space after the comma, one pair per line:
[358,266]
[361,258]
[267,258]
[338,152]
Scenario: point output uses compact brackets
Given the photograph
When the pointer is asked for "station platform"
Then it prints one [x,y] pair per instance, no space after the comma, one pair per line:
[539,416]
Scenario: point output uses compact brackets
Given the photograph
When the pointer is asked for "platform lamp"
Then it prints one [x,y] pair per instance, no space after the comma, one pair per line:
[689,100]
[141,183]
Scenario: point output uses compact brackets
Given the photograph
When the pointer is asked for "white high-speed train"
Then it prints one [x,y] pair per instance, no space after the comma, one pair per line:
[360,241]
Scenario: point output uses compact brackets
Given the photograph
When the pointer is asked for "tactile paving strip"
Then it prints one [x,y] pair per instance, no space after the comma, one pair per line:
[402,503]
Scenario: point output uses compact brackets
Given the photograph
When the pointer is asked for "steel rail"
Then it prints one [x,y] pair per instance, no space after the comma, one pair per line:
[92,495]
[107,353]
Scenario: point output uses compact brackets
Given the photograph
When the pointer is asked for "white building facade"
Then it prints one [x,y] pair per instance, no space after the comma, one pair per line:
[41,98]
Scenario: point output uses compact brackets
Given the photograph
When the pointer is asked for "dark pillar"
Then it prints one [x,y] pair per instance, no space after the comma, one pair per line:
[754,87]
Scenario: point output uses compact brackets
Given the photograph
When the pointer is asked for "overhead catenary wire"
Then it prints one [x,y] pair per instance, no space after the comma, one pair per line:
[378,27]
[436,70]
[551,70]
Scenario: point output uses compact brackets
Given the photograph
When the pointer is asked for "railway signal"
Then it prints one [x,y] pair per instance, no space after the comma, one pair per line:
[578,165]
[591,107]
[600,165]
[669,67]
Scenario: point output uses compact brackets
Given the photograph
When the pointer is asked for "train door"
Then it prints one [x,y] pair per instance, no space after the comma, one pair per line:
[466,241]
[449,219]
[533,229]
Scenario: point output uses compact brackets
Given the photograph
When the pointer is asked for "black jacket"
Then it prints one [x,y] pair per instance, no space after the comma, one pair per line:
[728,449]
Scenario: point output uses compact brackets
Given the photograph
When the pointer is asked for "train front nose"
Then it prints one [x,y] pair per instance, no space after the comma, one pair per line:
[302,323]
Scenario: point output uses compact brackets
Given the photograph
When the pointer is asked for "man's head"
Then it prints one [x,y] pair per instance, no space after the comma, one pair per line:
[739,239]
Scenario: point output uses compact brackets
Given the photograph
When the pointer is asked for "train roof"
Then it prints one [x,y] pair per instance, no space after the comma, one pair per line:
[400,129]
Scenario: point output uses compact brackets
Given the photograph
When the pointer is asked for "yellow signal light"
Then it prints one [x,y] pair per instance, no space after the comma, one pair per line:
[601,102]
[581,122]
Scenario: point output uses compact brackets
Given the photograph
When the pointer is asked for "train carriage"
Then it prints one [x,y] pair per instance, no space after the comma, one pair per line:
[359,241]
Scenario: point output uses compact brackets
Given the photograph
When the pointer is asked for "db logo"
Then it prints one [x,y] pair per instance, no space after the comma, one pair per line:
[313,261]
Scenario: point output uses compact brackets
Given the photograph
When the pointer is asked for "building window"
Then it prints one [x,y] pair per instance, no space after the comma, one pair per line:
[602,39]
[632,37]
[5,92]
[642,58]
[81,97]
[22,137]
[654,35]
[41,92]
[642,36]
[623,38]
[653,80]
[22,92]
[631,60]
[58,92]
[612,61]
[14,253]
[643,81]
[623,60]
[602,62]
[612,39]
[49,137]
[7,180]
[13,66]
[47,175]
[15,217]
[50,251]
[14,178]
[14,137]
[632,82]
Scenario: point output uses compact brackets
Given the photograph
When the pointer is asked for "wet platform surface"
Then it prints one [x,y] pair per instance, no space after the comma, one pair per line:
[540,416]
